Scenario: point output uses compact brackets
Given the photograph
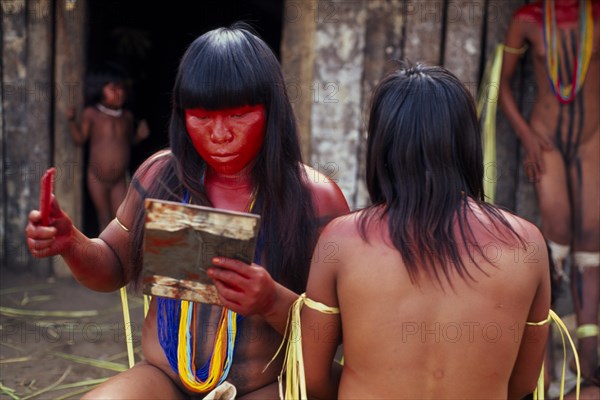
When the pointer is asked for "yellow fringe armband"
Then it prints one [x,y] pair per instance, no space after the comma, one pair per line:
[487,105]
[538,393]
[293,363]
[513,50]
[127,325]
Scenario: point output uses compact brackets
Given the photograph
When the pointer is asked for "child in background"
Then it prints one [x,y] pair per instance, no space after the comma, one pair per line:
[111,132]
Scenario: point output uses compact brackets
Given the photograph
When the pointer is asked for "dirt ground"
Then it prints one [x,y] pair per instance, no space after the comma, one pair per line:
[35,349]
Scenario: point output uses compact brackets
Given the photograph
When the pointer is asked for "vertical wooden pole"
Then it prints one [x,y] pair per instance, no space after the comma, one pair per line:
[297,60]
[27,93]
[423,32]
[463,44]
[383,43]
[336,91]
[69,68]
[14,39]
[3,260]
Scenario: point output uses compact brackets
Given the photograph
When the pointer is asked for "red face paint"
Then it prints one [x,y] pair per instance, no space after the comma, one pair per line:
[227,139]
[113,95]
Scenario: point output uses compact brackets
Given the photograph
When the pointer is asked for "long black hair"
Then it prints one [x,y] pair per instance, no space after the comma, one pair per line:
[424,163]
[231,67]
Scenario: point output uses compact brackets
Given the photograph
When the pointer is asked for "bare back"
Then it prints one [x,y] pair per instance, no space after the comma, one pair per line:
[406,341]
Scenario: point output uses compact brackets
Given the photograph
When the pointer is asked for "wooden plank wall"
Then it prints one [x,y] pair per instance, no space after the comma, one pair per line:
[333,54]
[299,59]
[27,92]
[41,64]
[385,24]
[69,68]
[2,139]
[340,37]
[344,40]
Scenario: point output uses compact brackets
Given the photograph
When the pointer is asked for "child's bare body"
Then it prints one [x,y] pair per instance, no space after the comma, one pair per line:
[110,131]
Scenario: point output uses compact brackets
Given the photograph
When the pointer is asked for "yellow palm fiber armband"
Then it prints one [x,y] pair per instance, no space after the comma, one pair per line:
[293,362]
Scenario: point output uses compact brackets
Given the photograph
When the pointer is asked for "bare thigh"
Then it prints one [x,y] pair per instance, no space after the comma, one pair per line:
[106,196]
[553,199]
[100,195]
[585,175]
[267,392]
[117,195]
[143,381]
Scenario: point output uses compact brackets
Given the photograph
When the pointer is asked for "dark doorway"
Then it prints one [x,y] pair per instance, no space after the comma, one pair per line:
[148,38]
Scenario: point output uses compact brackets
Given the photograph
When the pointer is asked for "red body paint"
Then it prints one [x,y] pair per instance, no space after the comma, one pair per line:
[567,11]
[227,139]
[47,185]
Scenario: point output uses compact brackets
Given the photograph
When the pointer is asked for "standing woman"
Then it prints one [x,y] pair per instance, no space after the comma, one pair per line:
[562,144]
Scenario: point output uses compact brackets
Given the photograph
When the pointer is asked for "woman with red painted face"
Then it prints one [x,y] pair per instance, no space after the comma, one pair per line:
[233,144]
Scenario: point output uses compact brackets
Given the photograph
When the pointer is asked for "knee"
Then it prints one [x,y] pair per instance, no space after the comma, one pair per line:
[143,381]
[588,239]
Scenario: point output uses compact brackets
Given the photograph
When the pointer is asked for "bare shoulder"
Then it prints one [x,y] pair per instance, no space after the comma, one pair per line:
[143,177]
[89,113]
[127,115]
[328,198]
[524,228]
[339,245]
[344,228]
[529,13]
[152,166]
[525,23]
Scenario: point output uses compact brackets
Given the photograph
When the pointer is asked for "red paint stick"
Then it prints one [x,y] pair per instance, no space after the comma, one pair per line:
[47,185]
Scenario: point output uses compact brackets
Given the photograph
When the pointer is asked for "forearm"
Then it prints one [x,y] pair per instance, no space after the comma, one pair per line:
[76,133]
[324,387]
[142,132]
[94,263]
[510,109]
[278,311]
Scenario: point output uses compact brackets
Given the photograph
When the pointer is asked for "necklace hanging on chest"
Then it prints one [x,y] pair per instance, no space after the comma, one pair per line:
[109,111]
[177,332]
[566,92]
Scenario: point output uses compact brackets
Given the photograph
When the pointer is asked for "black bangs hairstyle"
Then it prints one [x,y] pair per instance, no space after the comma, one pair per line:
[230,67]
[98,77]
[226,68]
[424,163]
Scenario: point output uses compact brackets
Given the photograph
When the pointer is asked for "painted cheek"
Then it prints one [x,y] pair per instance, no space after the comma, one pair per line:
[199,137]
[253,140]
[248,136]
